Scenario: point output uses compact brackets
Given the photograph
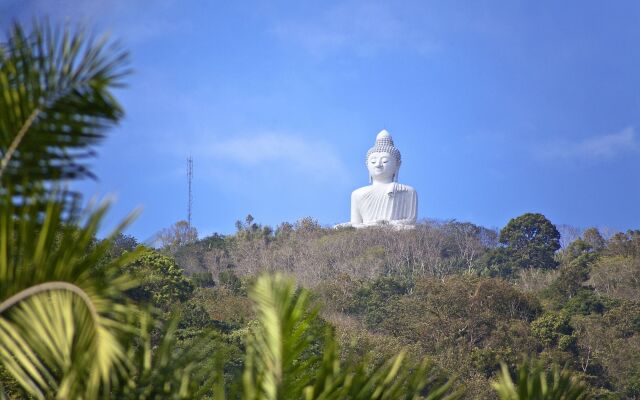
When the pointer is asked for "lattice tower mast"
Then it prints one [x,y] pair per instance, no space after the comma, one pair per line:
[189,179]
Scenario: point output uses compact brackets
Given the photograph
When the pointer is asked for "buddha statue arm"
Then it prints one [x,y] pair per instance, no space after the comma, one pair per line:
[356,218]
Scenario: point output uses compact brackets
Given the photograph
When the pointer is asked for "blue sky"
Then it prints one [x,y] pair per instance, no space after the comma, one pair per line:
[498,107]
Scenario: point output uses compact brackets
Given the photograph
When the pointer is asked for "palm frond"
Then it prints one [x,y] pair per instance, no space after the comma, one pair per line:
[163,370]
[276,367]
[56,102]
[273,363]
[61,317]
[395,379]
[535,383]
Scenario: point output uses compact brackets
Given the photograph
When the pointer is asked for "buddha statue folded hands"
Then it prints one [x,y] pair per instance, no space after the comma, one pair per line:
[384,201]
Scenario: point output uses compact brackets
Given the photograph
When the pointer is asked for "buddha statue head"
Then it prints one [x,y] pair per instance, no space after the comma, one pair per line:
[383,159]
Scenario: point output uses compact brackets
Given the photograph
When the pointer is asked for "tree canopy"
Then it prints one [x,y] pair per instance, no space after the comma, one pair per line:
[532,240]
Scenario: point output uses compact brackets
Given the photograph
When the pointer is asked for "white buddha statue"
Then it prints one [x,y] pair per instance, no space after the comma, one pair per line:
[384,201]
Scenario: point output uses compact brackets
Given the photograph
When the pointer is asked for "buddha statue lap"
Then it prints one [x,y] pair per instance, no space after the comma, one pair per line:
[384,201]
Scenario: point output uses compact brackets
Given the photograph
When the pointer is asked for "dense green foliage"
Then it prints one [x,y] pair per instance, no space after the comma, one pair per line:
[161,281]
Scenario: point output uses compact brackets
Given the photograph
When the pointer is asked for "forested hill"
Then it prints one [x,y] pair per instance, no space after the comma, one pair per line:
[463,295]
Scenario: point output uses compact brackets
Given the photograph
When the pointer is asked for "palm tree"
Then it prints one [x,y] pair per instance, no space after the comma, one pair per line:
[61,318]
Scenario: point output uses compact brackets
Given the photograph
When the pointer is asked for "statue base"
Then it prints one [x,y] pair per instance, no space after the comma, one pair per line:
[395,225]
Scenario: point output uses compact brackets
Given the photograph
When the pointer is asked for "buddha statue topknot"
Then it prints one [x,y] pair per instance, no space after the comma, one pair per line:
[384,201]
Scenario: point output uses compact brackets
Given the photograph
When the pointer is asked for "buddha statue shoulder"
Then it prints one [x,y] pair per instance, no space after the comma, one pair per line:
[384,201]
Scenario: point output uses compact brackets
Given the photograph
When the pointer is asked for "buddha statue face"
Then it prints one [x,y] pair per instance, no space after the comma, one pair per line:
[383,167]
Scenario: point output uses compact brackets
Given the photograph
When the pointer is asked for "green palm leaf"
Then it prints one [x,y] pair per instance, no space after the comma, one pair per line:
[274,366]
[164,370]
[55,103]
[535,383]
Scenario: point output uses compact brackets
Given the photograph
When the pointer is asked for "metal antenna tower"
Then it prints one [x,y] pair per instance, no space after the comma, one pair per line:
[189,178]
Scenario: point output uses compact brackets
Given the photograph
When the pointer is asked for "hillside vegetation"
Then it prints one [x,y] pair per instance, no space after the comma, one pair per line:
[465,296]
